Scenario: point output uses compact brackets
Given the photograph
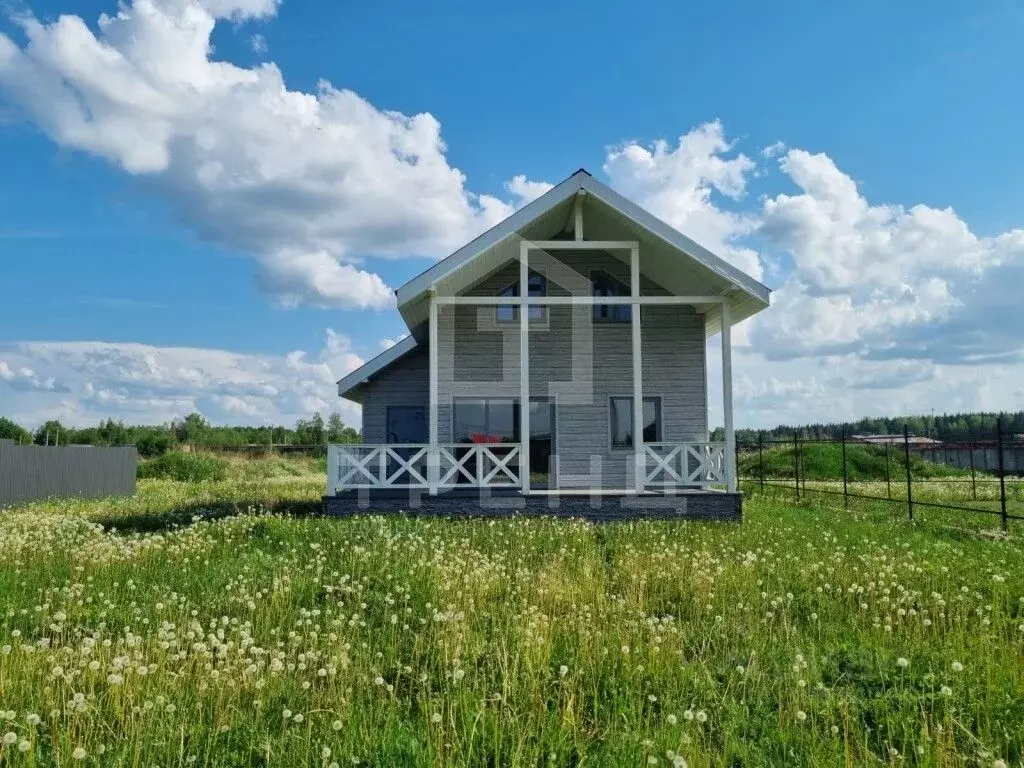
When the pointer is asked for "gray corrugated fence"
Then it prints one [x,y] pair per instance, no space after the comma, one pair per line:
[30,472]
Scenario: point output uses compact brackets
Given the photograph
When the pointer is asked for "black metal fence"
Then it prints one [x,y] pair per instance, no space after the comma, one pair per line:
[32,472]
[981,476]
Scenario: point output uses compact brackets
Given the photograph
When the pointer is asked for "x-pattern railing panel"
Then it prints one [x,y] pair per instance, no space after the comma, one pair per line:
[405,466]
[670,464]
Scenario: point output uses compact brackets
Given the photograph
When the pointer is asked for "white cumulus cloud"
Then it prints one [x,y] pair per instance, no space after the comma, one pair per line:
[885,281]
[83,382]
[310,184]
[677,184]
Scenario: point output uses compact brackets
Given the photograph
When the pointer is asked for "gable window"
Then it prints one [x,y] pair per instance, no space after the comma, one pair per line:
[620,413]
[606,285]
[536,285]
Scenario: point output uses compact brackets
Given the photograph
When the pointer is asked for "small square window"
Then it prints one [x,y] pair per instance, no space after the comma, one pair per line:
[606,285]
[537,285]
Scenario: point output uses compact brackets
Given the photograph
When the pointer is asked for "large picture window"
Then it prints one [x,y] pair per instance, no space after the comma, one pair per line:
[606,285]
[536,285]
[486,421]
[620,415]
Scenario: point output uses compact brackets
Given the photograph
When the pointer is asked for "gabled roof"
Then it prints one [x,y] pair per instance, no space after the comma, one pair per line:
[581,180]
[612,217]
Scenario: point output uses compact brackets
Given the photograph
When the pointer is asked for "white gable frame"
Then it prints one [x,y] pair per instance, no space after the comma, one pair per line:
[747,294]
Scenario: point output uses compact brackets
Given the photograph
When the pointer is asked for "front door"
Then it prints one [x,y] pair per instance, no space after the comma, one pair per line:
[407,424]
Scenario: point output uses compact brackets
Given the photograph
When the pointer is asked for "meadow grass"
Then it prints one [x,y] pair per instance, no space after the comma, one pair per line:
[215,630]
[824,461]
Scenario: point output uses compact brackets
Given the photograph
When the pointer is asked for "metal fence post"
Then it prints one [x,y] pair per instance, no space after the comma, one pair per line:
[803,468]
[796,464]
[906,457]
[735,460]
[888,473]
[760,455]
[974,485]
[846,492]
[1002,471]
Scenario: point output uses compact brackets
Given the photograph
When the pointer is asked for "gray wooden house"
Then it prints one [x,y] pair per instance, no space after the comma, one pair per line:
[593,313]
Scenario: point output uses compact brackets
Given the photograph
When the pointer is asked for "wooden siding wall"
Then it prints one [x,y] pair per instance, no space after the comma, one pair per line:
[484,357]
[32,472]
[406,382]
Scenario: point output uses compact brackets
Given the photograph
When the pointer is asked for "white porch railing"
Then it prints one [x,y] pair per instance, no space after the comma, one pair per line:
[460,465]
[672,464]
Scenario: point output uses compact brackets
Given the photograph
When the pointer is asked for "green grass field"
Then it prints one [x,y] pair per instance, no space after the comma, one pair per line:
[198,624]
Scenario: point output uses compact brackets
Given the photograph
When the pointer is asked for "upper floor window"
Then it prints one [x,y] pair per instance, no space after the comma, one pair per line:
[536,285]
[606,285]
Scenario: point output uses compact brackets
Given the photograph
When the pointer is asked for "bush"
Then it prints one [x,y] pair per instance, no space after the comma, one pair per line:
[184,467]
[150,444]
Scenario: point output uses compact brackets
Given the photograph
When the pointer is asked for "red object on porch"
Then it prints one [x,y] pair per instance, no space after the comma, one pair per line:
[480,437]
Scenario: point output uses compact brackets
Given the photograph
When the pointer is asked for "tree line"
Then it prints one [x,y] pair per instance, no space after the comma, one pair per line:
[193,431]
[947,427]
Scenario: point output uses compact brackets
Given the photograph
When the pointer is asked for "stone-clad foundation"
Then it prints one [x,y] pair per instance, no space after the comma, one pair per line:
[685,505]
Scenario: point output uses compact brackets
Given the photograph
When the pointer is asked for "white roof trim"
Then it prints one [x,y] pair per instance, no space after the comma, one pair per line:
[581,180]
[674,237]
[374,366]
[491,237]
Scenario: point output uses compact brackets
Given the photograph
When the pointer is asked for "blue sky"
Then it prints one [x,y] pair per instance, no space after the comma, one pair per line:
[114,267]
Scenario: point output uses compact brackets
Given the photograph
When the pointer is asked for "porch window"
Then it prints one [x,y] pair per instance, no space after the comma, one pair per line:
[621,421]
[486,421]
[606,285]
[537,285]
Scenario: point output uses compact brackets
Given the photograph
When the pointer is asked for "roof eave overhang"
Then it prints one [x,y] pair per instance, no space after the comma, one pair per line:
[372,367]
[510,226]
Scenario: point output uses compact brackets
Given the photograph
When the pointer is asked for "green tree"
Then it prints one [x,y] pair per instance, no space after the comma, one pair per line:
[51,433]
[113,433]
[11,431]
[192,429]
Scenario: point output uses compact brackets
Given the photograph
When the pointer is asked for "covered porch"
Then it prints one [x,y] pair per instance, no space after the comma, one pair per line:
[680,480]
[492,467]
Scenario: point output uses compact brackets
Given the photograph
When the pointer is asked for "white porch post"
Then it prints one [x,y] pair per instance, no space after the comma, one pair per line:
[730,435]
[524,366]
[639,465]
[433,457]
